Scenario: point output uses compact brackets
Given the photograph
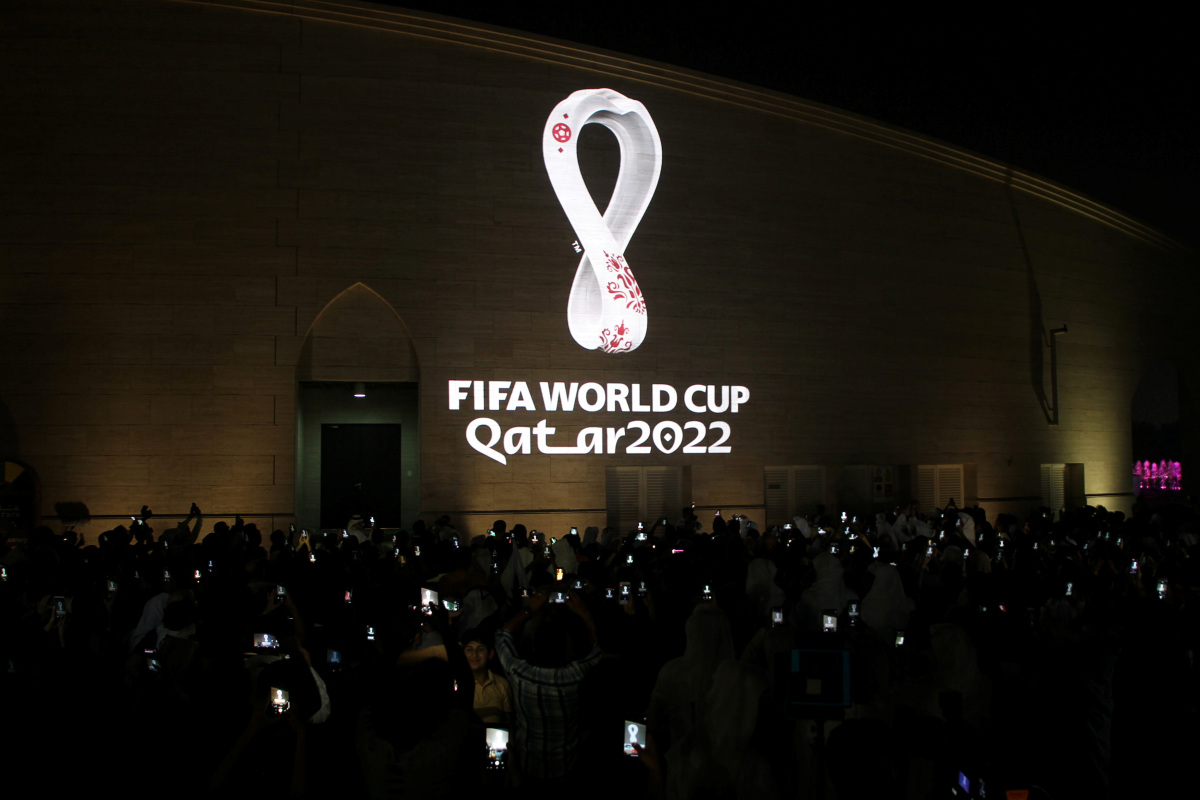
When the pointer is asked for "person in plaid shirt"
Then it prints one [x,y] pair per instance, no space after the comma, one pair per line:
[546,687]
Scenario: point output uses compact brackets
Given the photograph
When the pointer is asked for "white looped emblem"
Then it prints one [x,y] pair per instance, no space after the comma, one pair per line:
[606,309]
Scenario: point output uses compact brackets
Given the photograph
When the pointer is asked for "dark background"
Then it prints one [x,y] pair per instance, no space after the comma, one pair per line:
[1103,105]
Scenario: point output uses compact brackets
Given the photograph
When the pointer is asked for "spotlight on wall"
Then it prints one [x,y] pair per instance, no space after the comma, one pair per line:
[360,389]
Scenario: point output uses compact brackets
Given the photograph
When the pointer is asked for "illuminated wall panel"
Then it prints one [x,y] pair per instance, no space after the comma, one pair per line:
[185,188]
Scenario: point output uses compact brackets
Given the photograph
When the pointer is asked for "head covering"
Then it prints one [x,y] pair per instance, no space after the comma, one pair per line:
[564,557]
[968,526]
[761,587]
[683,682]
[886,607]
[827,592]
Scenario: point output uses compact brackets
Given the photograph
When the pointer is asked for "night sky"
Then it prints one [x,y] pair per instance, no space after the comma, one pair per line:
[1105,107]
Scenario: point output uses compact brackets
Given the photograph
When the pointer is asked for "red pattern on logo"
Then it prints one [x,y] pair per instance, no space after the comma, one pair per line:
[625,287]
[615,342]
[561,132]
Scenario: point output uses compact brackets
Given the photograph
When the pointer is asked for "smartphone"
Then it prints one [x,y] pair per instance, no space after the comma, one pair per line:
[111,585]
[429,601]
[574,531]
[624,594]
[372,523]
[634,734]
[577,585]
[706,594]
[417,550]
[853,609]
[370,633]
[641,527]
[279,701]
[491,533]
[609,594]
[265,641]
[558,596]
[929,550]
[280,594]
[312,558]
[60,607]
[292,529]
[1133,567]
[899,638]
[349,596]
[334,659]
[345,534]
[1162,590]
[196,575]
[776,617]
[1069,587]
[558,574]
[497,748]
[829,621]
[166,574]
[451,605]
[629,558]
[304,535]
[641,588]
[833,548]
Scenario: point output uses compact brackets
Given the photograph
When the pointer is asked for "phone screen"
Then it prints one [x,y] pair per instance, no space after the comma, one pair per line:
[429,601]
[265,641]
[497,747]
[279,701]
[829,622]
[624,594]
[634,734]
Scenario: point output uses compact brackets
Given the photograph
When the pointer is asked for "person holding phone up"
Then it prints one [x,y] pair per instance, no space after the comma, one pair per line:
[545,685]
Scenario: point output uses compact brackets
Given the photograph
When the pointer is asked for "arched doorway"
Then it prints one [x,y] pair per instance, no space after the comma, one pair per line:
[357,432]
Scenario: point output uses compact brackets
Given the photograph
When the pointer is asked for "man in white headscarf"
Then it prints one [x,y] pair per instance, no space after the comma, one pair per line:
[684,682]
[829,591]
[886,607]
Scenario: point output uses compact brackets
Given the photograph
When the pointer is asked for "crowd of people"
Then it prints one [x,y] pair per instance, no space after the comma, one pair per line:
[906,655]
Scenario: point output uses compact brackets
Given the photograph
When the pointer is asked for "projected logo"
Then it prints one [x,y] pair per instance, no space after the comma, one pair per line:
[606,309]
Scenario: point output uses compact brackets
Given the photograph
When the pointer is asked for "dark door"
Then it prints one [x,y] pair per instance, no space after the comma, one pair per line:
[360,474]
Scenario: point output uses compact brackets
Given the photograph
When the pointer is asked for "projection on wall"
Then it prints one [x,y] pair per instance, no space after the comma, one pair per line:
[606,309]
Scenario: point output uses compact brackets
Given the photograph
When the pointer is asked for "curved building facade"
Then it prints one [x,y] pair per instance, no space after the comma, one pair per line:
[575,288]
